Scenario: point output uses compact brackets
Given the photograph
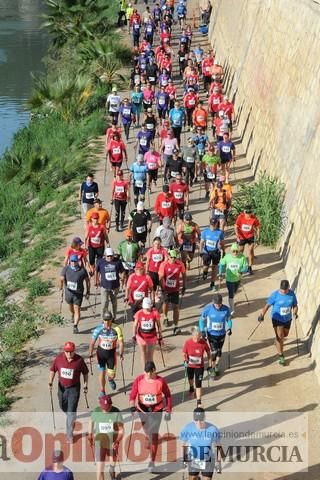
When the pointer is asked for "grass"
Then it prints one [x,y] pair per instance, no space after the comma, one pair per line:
[40,175]
[266,197]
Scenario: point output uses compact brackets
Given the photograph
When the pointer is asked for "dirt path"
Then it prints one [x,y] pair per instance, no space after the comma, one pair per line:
[255,383]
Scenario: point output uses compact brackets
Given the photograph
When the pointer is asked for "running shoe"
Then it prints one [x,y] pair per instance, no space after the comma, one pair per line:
[112,384]
[281,360]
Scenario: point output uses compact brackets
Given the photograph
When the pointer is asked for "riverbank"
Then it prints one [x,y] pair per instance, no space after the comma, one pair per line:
[39,173]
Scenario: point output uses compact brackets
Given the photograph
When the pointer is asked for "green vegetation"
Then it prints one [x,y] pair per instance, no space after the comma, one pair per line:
[39,174]
[266,196]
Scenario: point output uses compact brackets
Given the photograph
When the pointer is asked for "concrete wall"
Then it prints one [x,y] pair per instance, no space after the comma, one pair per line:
[271,53]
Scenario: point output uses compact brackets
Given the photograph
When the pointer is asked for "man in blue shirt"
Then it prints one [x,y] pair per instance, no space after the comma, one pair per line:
[284,303]
[214,323]
[109,272]
[56,471]
[200,439]
[89,190]
[138,178]
[212,241]
[177,118]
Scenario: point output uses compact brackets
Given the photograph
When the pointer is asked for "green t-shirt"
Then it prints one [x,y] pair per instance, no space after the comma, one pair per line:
[105,428]
[128,251]
[211,160]
[235,265]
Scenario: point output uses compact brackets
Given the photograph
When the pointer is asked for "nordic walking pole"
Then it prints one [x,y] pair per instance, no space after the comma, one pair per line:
[52,410]
[92,451]
[86,398]
[123,380]
[253,331]
[95,298]
[94,313]
[296,329]
[134,351]
[125,316]
[245,294]
[129,444]
[229,354]
[184,383]
[159,342]
[61,302]
[90,362]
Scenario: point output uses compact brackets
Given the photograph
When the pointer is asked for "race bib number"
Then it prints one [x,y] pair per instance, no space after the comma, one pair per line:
[174,174]
[211,175]
[149,399]
[216,101]
[217,326]
[234,267]
[195,360]
[143,142]
[187,247]
[106,344]
[149,126]
[164,82]
[192,101]
[66,373]
[190,159]
[210,243]
[116,150]
[89,195]
[110,276]
[166,204]
[152,79]
[178,195]
[141,229]
[246,228]
[162,101]
[139,183]
[72,285]
[218,212]
[137,295]
[285,310]
[114,105]
[119,189]
[105,427]
[171,283]
[147,325]
[226,149]
[198,464]
[96,240]
[126,111]
[157,257]
[152,166]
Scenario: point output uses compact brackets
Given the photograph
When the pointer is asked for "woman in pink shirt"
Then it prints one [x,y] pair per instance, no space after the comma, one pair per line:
[153,162]
[148,96]
[169,144]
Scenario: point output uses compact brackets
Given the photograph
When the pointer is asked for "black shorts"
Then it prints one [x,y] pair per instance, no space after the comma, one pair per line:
[211,257]
[73,298]
[155,278]
[232,288]
[103,448]
[207,473]
[106,358]
[180,211]
[249,241]
[277,323]
[116,164]
[216,343]
[172,297]
[197,374]
[95,253]
[153,175]
[187,251]
[224,161]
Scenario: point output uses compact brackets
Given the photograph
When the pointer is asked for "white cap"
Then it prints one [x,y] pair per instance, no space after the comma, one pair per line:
[221,113]
[146,303]
[140,206]
[140,157]
[114,89]
[225,97]
[108,252]
[216,62]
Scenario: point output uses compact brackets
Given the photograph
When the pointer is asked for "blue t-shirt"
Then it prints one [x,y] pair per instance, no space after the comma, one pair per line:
[89,192]
[282,305]
[145,139]
[200,142]
[137,97]
[201,440]
[176,117]
[109,273]
[48,474]
[211,238]
[162,100]
[126,113]
[139,172]
[181,10]
[225,149]
[157,13]
[215,321]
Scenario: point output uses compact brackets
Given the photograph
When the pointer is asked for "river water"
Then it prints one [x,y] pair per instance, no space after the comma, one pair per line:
[22,46]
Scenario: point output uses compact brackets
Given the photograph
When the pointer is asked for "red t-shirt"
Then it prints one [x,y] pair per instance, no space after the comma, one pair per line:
[190,100]
[139,286]
[120,189]
[194,352]
[151,393]
[156,257]
[227,108]
[165,205]
[116,149]
[179,190]
[96,236]
[215,85]
[171,91]
[110,131]
[206,67]
[69,372]
[169,274]
[147,323]
[214,102]
[81,254]
[246,226]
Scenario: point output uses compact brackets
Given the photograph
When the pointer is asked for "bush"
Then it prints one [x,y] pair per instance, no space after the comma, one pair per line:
[266,196]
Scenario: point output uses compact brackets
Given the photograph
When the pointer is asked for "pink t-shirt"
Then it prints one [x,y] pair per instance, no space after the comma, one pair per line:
[152,160]
[169,145]
[148,94]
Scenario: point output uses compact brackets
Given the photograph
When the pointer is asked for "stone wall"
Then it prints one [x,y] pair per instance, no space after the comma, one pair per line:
[271,53]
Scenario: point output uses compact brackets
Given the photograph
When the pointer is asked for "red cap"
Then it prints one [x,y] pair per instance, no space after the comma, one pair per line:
[105,401]
[139,265]
[69,347]
[95,215]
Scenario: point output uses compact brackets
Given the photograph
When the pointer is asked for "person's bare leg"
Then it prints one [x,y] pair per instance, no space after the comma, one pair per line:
[102,380]
[76,314]
[143,354]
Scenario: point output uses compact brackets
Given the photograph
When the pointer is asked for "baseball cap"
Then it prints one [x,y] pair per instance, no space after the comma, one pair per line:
[57,456]
[165,188]
[140,206]
[107,316]
[74,258]
[188,216]
[108,252]
[198,414]
[166,221]
[120,173]
[149,367]
[77,240]
[105,401]
[69,347]
[128,233]
[172,253]
[114,89]
[139,265]
[225,97]
[219,184]
[146,303]
[95,215]
[284,285]
[149,110]
[214,221]
[140,157]
[221,113]
[217,299]
[235,247]
[248,209]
